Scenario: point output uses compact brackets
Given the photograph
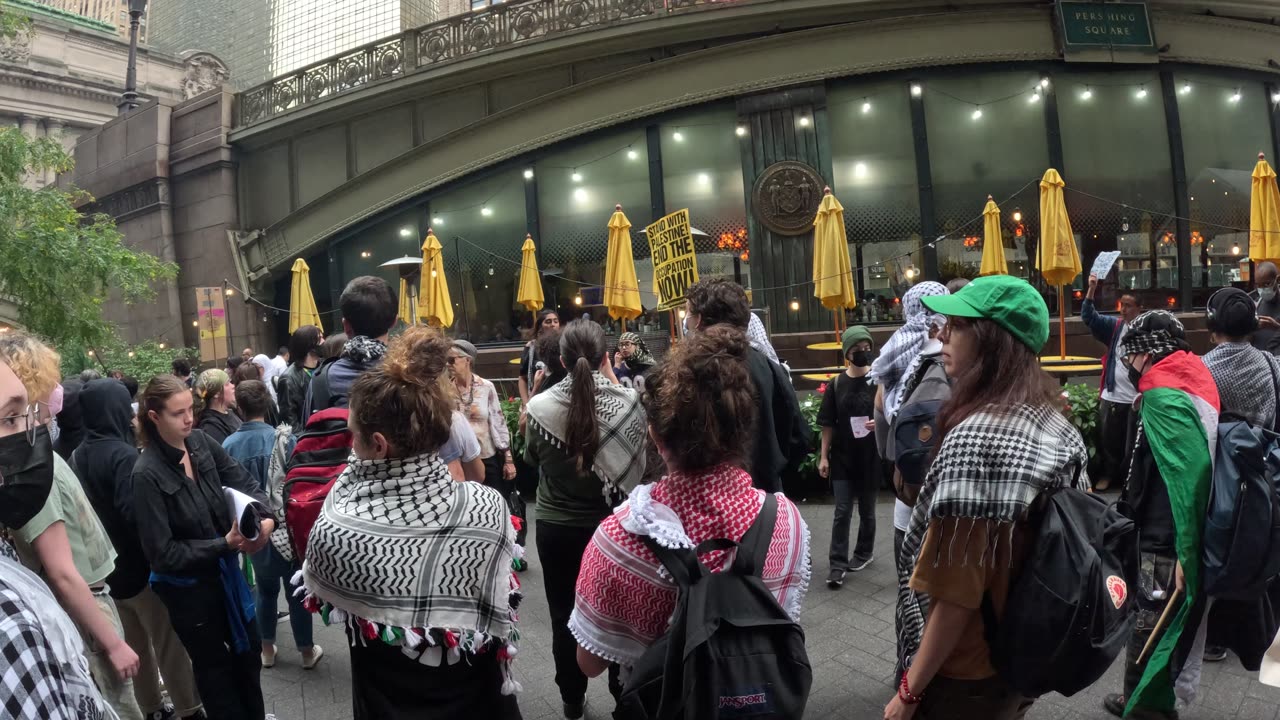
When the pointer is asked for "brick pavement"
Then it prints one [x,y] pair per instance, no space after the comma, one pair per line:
[850,643]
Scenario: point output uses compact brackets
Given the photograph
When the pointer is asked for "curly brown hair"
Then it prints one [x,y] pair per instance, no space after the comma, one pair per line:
[701,404]
[407,397]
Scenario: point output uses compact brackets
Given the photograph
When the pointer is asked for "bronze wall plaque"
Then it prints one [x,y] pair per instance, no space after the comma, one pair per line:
[786,196]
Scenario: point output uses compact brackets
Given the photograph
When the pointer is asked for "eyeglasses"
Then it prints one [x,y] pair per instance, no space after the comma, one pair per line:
[31,418]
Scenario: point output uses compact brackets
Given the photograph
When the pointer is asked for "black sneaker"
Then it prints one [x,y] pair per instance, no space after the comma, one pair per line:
[166,712]
[574,710]
[1214,653]
[835,578]
[860,565]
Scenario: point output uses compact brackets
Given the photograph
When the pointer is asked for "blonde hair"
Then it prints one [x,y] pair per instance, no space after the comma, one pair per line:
[210,386]
[37,365]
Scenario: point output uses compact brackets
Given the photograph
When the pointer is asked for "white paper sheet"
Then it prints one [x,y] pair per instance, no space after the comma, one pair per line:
[245,509]
[1102,265]
[859,426]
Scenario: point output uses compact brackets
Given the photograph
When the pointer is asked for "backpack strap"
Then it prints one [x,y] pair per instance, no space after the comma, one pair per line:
[755,543]
[681,563]
[320,397]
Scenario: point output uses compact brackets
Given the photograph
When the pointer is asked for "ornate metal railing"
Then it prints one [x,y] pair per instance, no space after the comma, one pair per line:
[498,26]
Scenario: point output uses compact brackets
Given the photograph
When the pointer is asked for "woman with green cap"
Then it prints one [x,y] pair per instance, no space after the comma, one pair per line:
[848,457]
[1004,441]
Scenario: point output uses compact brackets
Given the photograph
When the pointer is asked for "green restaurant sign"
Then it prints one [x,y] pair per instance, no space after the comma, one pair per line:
[1123,25]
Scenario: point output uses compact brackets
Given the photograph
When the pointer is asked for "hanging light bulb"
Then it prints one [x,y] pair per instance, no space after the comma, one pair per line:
[632,154]
[1142,92]
[804,121]
[977,112]
[795,305]
[1235,97]
[577,299]
[91,352]
[434,273]
[1235,249]
[1044,82]
[916,90]
[741,131]
[1186,88]
[677,136]
[490,271]
[528,173]
[1087,94]
[437,220]
[194,323]
[866,106]
[486,211]
[1035,97]
[229,292]
[130,353]
[161,346]
[576,176]
[1017,216]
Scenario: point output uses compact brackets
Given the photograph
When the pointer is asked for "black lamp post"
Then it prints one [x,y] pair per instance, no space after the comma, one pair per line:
[129,100]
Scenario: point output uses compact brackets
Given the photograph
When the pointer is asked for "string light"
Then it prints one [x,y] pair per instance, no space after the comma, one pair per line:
[577,299]
[130,353]
[161,346]
[704,179]
[1142,92]
[194,323]
[741,131]
[486,211]
[916,90]
[576,176]
[1275,98]
[1186,88]
[1035,97]
[632,154]
[528,173]
[1017,216]
[1235,249]
[491,271]
[437,220]
[804,121]
[405,232]
[229,292]
[866,106]
[363,253]
[677,136]
[1087,94]
[1235,97]
[977,112]
[1044,82]
[795,305]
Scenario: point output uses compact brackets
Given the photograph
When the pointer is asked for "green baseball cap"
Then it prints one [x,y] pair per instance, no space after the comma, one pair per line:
[1007,301]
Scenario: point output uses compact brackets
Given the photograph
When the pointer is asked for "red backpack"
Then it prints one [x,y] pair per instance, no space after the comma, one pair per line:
[318,459]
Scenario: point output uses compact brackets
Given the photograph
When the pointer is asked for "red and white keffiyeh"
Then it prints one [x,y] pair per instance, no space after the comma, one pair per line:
[625,598]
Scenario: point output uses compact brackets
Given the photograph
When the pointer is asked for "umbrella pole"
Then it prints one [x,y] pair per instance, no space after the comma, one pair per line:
[1062,322]
[837,314]
[624,324]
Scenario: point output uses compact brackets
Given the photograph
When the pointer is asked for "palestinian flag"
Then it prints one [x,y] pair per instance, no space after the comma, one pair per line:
[1179,412]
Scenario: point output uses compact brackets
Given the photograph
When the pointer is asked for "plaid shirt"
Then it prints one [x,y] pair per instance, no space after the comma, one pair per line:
[33,685]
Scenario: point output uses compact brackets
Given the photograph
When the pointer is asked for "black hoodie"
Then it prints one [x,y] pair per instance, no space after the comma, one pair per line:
[104,464]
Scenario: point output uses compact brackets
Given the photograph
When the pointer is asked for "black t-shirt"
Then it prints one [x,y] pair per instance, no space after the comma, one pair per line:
[847,397]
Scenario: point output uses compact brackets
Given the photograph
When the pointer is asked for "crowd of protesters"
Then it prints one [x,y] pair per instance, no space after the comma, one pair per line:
[129,588]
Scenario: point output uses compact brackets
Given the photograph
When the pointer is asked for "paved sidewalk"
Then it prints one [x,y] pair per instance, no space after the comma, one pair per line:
[850,642]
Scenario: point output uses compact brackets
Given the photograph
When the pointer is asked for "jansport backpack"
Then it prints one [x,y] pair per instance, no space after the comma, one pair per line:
[915,429]
[318,459]
[1070,610]
[1241,541]
[731,651]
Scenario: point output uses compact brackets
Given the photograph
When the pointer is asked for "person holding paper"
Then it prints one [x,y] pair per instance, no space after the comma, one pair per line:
[192,543]
[849,458]
[1118,393]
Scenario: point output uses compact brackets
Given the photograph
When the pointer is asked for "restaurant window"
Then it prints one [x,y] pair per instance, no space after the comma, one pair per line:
[364,251]
[481,227]
[1225,124]
[1119,183]
[579,184]
[702,171]
[874,177]
[986,137]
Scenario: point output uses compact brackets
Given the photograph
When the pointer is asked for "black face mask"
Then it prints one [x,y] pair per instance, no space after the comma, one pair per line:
[1134,375]
[860,358]
[26,475]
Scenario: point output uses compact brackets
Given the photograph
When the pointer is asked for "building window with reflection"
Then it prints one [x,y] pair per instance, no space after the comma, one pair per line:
[874,177]
[1116,147]
[579,184]
[481,227]
[363,252]
[1225,124]
[986,137]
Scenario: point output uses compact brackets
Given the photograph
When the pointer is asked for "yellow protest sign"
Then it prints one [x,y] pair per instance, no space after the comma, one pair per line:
[675,265]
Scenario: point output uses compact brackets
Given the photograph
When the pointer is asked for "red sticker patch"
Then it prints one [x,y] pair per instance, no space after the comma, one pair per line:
[1118,589]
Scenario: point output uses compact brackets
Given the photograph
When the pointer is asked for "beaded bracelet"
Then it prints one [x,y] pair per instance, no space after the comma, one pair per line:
[904,692]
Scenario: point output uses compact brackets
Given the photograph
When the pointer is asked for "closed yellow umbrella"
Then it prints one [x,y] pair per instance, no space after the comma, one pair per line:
[406,305]
[530,291]
[1264,214]
[621,288]
[434,305]
[993,262]
[832,271]
[1057,256]
[302,304]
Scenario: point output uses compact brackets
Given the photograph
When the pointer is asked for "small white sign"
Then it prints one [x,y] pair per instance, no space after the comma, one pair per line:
[859,426]
[1102,265]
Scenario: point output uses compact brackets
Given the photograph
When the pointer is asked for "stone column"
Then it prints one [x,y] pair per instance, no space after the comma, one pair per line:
[30,126]
[53,129]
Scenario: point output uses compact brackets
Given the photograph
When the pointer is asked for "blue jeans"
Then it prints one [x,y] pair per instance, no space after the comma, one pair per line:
[270,567]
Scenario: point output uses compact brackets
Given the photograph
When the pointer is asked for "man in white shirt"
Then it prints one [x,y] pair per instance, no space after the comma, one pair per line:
[1118,390]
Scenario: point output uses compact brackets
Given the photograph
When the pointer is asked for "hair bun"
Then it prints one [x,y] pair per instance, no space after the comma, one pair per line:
[418,358]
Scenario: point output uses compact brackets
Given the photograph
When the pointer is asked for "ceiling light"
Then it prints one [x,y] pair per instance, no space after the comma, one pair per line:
[528,173]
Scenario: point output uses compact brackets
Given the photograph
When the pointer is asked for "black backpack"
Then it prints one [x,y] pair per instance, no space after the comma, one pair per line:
[1241,541]
[1070,609]
[731,650]
[915,433]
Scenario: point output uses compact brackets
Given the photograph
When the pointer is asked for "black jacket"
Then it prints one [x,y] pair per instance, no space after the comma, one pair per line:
[1148,495]
[291,395]
[104,463]
[782,439]
[71,429]
[182,523]
[218,425]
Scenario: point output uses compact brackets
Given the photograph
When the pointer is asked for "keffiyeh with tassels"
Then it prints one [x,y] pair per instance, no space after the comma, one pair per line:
[990,467]
[405,555]
[890,367]
[620,459]
[625,596]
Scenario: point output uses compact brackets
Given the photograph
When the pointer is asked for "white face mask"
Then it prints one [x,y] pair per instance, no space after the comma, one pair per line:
[1267,294]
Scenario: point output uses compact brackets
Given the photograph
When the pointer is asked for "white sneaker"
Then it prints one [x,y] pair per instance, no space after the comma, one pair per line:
[311,659]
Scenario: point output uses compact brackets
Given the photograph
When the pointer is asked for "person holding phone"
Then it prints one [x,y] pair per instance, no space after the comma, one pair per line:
[193,544]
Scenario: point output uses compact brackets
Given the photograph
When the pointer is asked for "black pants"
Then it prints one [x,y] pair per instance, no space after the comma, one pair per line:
[989,699]
[386,684]
[1155,585]
[493,478]
[228,681]
[1115,440]
[850,480]
[560,549]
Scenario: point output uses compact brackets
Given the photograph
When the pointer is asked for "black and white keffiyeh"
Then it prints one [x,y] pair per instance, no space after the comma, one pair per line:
[990,467]
[620,460]
[404,554]
[363,349]
[1247,380]
[896,357]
